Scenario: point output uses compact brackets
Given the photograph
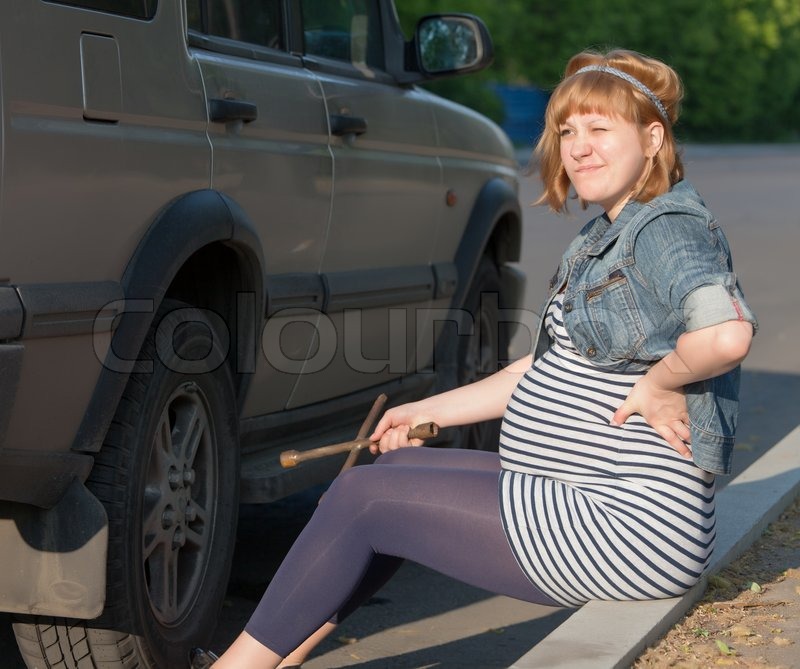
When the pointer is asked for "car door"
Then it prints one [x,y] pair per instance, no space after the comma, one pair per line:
[387,204]
[269,134]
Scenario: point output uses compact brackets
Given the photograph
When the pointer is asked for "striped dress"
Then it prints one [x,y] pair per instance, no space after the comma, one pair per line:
[594,511]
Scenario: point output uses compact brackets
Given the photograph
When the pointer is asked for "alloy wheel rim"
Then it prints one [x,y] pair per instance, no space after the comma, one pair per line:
[178,508]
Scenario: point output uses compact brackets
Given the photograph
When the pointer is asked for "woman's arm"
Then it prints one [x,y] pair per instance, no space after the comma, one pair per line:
[483,400]
[701,354]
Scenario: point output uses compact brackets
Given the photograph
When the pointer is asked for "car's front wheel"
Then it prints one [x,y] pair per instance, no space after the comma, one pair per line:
[168,478]
[485,351]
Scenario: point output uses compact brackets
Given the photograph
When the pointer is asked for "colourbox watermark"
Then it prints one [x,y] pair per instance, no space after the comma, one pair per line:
[305,341]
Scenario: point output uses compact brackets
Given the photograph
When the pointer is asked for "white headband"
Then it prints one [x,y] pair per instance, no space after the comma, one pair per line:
[633,81]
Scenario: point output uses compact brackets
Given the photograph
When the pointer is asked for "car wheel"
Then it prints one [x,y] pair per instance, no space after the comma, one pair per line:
[168,478]
[484,351]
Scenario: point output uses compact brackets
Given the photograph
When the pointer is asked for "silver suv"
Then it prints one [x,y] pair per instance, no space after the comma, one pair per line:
[225,227]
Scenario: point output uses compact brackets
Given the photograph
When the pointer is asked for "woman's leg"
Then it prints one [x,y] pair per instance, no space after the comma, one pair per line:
[383,567]
[436,516]
[301,653]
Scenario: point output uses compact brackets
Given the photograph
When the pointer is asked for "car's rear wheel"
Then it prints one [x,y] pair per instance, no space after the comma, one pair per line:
[168,478]
[484,351]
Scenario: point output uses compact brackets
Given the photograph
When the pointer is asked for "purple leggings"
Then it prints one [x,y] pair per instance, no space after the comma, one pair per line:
[437,507]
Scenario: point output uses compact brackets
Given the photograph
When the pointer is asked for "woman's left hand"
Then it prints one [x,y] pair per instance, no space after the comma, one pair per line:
[663,409]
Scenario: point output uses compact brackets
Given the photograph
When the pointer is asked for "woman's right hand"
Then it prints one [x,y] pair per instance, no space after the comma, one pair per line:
[482,400]
[392,429]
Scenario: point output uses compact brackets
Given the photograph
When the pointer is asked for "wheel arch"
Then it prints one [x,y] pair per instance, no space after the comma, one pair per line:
[200,227]
[494,227]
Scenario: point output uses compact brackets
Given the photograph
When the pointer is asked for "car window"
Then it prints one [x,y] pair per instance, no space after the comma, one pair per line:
[137,9]
[346,30]
[252,21]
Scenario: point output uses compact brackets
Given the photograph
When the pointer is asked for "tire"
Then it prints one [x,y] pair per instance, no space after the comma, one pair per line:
[168,477]
[485,351]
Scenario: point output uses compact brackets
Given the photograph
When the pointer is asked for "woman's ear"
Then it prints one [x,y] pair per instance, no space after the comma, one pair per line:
[653,138]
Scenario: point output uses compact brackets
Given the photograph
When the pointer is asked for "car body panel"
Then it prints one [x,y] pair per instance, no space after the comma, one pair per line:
[278,168]
[331,214]
[72,154]
[387,192]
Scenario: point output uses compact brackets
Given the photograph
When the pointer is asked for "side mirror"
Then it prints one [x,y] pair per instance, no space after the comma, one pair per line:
[450,44]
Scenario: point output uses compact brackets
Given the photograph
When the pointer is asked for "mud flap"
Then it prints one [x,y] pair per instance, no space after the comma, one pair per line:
[54,560]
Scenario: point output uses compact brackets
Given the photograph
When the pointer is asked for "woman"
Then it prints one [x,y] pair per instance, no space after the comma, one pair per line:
[613,429]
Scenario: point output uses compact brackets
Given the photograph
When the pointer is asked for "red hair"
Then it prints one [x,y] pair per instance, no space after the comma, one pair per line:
[604,93]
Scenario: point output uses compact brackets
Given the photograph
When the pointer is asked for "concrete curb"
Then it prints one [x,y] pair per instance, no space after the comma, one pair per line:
[611,635]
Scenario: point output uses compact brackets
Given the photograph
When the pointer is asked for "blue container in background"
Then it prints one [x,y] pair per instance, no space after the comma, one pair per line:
[524,111]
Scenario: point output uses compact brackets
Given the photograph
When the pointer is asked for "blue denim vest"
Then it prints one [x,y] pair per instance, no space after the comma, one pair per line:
[631,288]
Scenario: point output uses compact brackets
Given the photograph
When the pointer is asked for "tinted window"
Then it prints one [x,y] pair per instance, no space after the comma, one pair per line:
[348,30]
[137,9]
[194,15]
[252,21]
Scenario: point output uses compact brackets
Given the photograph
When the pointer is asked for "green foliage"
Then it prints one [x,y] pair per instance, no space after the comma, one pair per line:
[739,59]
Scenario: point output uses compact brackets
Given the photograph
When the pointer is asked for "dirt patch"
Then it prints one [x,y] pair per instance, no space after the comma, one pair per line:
[750,614]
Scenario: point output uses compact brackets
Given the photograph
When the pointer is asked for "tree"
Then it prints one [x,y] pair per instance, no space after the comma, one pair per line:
[739,59]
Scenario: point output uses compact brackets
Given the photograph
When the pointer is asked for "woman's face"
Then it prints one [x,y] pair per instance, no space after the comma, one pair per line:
[605,157]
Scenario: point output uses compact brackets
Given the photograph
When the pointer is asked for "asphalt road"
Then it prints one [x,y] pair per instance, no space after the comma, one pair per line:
[423,620]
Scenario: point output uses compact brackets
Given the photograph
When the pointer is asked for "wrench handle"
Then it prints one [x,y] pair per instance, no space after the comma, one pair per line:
[293,458]
[424,431]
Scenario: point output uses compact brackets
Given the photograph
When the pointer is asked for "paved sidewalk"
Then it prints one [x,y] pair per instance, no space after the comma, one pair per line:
[610,635]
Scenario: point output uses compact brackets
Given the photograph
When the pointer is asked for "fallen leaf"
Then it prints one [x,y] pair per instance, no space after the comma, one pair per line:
[741,631]
[724,648]
[755,587]
[782,641]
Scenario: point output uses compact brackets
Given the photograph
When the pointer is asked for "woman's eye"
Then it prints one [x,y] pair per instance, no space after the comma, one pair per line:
[564,132]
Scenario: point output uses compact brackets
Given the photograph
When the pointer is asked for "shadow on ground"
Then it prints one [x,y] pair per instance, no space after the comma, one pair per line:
[493,648]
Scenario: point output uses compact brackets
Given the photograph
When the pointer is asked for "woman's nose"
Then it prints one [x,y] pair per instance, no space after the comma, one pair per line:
[580,146]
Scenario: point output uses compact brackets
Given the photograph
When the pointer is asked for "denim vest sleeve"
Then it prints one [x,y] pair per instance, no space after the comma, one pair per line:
[691,270]
[687,260]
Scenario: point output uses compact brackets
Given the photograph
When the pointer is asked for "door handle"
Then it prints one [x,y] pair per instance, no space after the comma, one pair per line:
[224,110]
[341,124]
